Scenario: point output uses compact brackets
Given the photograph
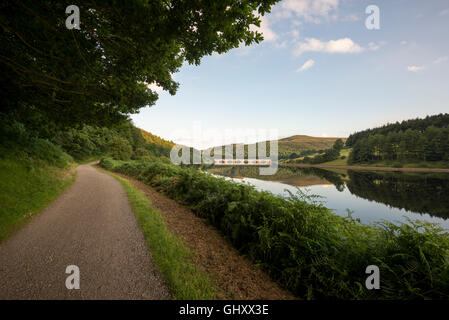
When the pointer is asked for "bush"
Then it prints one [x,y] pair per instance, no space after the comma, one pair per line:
[310,250]
[120,149]
[16,140]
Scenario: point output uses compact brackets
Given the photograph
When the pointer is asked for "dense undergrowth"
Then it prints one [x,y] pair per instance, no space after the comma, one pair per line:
[308,249]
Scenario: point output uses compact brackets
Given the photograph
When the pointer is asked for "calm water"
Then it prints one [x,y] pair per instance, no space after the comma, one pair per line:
[371,196]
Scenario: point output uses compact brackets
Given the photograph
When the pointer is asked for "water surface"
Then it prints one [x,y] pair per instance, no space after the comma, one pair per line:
[371,196]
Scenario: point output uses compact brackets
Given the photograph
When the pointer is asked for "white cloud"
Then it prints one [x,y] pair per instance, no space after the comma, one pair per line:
[309,10]
[154,87]
[403,42]
[308,64]
[344,45]
[376,46]
[265,29]
[440,60]
[415,68]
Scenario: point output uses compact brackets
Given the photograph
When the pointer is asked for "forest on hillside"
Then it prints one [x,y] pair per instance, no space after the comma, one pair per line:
[412,140]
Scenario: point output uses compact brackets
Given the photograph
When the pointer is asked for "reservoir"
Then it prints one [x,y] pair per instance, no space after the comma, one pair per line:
[370,196]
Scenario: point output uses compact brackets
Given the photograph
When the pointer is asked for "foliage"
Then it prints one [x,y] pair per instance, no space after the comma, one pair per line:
[439,121]
[430,144]
[33,172]
[16,141]
[308,249]
[328,155]
[100,73]
[120,149]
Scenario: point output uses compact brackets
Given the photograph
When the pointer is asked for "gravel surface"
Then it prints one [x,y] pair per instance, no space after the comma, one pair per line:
[91,226]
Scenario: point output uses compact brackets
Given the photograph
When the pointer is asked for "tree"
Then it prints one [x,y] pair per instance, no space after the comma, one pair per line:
[103,71]
[338,145]
[120,149]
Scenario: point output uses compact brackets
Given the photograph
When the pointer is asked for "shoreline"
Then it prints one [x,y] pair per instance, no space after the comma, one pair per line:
[360,168]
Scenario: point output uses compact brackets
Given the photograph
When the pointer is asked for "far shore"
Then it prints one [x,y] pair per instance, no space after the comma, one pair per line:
[346,167]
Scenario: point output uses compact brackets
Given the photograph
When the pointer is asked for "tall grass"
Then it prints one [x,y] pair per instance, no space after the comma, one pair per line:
[308,249]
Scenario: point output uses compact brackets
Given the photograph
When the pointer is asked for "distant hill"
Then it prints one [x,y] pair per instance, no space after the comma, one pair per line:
[151,138]
[299,143]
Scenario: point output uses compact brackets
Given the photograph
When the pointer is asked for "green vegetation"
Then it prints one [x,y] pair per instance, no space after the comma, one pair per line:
[33,173]
[99,74]
[328,155]
[291,147]
[170,255]
[342,159]
[308,249]
[413,141]
[426,193]
[120,149]
[300,143]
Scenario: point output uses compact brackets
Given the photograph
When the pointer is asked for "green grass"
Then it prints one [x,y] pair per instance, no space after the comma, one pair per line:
[172,258]
[26,188]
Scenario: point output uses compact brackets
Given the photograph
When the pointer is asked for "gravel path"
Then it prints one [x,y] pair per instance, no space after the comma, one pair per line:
[91,226]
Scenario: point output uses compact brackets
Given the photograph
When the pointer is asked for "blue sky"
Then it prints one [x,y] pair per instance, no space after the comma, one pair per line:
[319,72]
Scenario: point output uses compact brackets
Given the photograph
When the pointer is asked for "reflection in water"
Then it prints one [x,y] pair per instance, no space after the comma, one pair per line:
[422,193]
[372,196]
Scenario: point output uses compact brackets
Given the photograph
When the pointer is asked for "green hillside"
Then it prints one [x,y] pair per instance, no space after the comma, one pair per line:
[297,144]
[151,138]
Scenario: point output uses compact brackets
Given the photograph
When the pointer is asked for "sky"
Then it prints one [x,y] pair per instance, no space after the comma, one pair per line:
[320,72]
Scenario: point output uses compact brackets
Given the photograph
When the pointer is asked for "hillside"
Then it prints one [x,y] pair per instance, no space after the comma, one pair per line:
[151,138]
[299,143]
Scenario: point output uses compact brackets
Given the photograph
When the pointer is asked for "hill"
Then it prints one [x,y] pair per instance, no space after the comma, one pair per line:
[151,138]
[295,145]
[298,143]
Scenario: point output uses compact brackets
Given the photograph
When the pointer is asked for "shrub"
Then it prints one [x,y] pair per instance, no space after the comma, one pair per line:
[120,149]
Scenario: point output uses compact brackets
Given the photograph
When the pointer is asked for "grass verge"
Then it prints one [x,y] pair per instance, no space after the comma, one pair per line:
[172,258]
[26,189]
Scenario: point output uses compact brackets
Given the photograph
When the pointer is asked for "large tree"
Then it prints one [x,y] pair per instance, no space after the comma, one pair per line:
[102,72]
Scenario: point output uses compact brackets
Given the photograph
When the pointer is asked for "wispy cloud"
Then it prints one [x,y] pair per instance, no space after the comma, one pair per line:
[445,12]
[440,60]
[344,45]
[415,68]
[307,10]
[307,65]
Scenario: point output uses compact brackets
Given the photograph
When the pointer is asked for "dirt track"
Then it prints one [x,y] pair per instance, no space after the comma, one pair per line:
[91,226]
[324,166]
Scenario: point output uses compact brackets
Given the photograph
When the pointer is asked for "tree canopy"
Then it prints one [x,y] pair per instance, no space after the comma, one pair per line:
[101,73]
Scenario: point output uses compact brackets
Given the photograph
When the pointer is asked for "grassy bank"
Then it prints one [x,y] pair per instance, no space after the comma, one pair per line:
[33,173]
[26,188]
[308,249]
[170,255]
